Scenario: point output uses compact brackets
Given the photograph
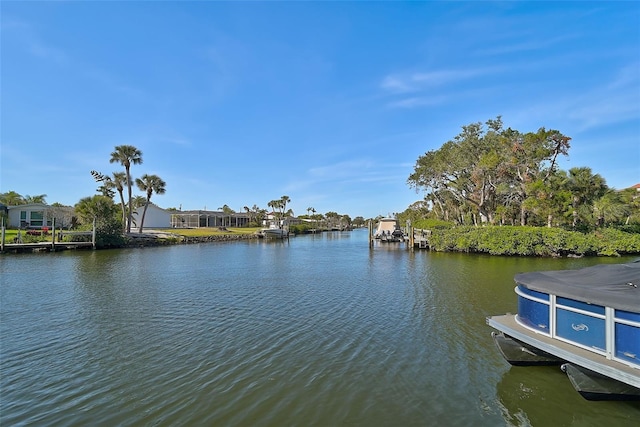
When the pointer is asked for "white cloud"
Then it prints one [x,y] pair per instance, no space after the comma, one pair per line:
[397,84]
[422,84]
[418,102]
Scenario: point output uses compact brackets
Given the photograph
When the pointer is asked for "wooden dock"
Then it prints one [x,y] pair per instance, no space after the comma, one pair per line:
[413,237]
[57,241]
[49,246]
[419,238]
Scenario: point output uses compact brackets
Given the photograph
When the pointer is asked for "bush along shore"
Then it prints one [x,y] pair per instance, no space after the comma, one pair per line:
[534,241]
[492,240]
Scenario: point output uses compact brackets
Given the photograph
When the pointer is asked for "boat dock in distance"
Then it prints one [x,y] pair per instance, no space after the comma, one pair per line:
[388,231]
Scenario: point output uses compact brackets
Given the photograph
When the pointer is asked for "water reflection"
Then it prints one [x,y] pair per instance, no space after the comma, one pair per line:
[543,396]
[317,330]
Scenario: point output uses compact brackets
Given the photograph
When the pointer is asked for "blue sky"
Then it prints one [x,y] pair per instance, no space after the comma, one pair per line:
[329,103]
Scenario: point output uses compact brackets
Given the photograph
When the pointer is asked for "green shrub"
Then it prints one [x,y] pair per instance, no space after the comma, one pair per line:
[533,241]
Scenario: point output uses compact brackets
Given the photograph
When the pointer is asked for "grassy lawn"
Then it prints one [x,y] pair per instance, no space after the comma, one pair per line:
[10,234]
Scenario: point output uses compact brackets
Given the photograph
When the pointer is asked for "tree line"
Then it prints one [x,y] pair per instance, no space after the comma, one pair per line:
[111,224]
[491,175]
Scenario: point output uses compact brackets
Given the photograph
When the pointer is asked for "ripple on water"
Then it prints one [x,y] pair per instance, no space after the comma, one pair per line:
[319,331]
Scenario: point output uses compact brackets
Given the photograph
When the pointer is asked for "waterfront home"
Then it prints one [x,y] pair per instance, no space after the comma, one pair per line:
[204,218]
[156,217]
[38,215]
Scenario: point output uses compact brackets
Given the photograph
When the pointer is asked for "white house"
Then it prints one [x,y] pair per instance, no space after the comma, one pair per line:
[29,215]
[38,215]
[155,217]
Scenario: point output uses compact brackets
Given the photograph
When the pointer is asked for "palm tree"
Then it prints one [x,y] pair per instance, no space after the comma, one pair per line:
[285,200]
[11,198]
[227,211]
[119,181]
[100,208]
[127,155]
[137,201]
[585,188]
[35,199]
[149,184]
[610,208]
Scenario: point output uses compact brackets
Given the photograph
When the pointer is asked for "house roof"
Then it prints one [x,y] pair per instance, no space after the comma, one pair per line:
[29,205]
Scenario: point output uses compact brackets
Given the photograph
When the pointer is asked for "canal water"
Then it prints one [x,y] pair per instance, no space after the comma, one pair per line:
[319,330]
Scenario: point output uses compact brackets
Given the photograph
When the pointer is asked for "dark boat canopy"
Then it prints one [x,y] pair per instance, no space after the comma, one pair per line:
[610,285]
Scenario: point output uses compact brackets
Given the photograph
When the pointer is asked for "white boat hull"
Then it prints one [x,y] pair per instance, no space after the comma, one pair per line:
[275,233]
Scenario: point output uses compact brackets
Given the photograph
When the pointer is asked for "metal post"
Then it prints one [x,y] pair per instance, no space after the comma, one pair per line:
[93,234]
[411,236]
[53,235]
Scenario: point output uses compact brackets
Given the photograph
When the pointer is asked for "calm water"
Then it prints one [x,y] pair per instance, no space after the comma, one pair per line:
[319,331]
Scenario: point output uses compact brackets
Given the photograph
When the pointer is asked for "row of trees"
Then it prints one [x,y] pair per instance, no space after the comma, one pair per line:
[279,209]
[489,174]
[12,198]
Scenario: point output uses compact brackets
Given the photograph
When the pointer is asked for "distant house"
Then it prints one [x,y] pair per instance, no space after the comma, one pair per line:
[33,215]
[156,217]
[271,220]
[38,215]
[202,218]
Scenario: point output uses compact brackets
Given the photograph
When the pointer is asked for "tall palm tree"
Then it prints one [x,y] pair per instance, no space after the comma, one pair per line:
[119,181]
[127,155]
[285,200]
[149,184]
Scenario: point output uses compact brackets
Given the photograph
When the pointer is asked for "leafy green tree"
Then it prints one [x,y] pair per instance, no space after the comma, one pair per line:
[415,212]
[529,158]
[105,213]
[548,200]
[465,168]
[117,182]
[359,221]
[484,168]
[149,184]
[127,155]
